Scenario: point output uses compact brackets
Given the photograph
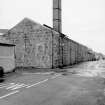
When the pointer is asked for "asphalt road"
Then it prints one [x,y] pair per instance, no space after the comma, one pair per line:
[56,89]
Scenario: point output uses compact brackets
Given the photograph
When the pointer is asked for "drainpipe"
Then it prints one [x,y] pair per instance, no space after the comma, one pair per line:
[52,48]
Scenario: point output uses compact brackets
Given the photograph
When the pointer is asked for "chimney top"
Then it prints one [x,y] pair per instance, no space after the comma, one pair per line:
[57,21]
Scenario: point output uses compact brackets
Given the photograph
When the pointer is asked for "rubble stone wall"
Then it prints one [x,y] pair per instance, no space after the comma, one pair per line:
[33,44]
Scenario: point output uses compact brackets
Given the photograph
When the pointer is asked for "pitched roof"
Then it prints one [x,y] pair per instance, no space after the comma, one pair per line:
[26,21]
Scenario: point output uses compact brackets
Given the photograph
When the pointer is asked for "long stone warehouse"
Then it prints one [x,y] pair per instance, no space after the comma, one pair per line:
[41,46]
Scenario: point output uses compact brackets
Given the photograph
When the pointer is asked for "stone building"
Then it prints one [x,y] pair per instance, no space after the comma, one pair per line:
[40,46]
[36,45]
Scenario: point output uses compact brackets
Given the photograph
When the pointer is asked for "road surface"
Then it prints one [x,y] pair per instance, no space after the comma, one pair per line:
[85,87]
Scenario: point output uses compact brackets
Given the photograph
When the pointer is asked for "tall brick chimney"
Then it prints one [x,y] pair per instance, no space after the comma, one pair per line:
[57,21]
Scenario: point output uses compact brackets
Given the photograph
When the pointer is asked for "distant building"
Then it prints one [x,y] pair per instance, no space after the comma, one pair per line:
[99,56]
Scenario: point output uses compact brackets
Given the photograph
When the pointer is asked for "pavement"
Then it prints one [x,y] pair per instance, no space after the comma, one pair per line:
[84,87]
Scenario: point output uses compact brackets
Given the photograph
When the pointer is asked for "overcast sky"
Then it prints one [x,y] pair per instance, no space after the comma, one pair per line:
[83,20]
